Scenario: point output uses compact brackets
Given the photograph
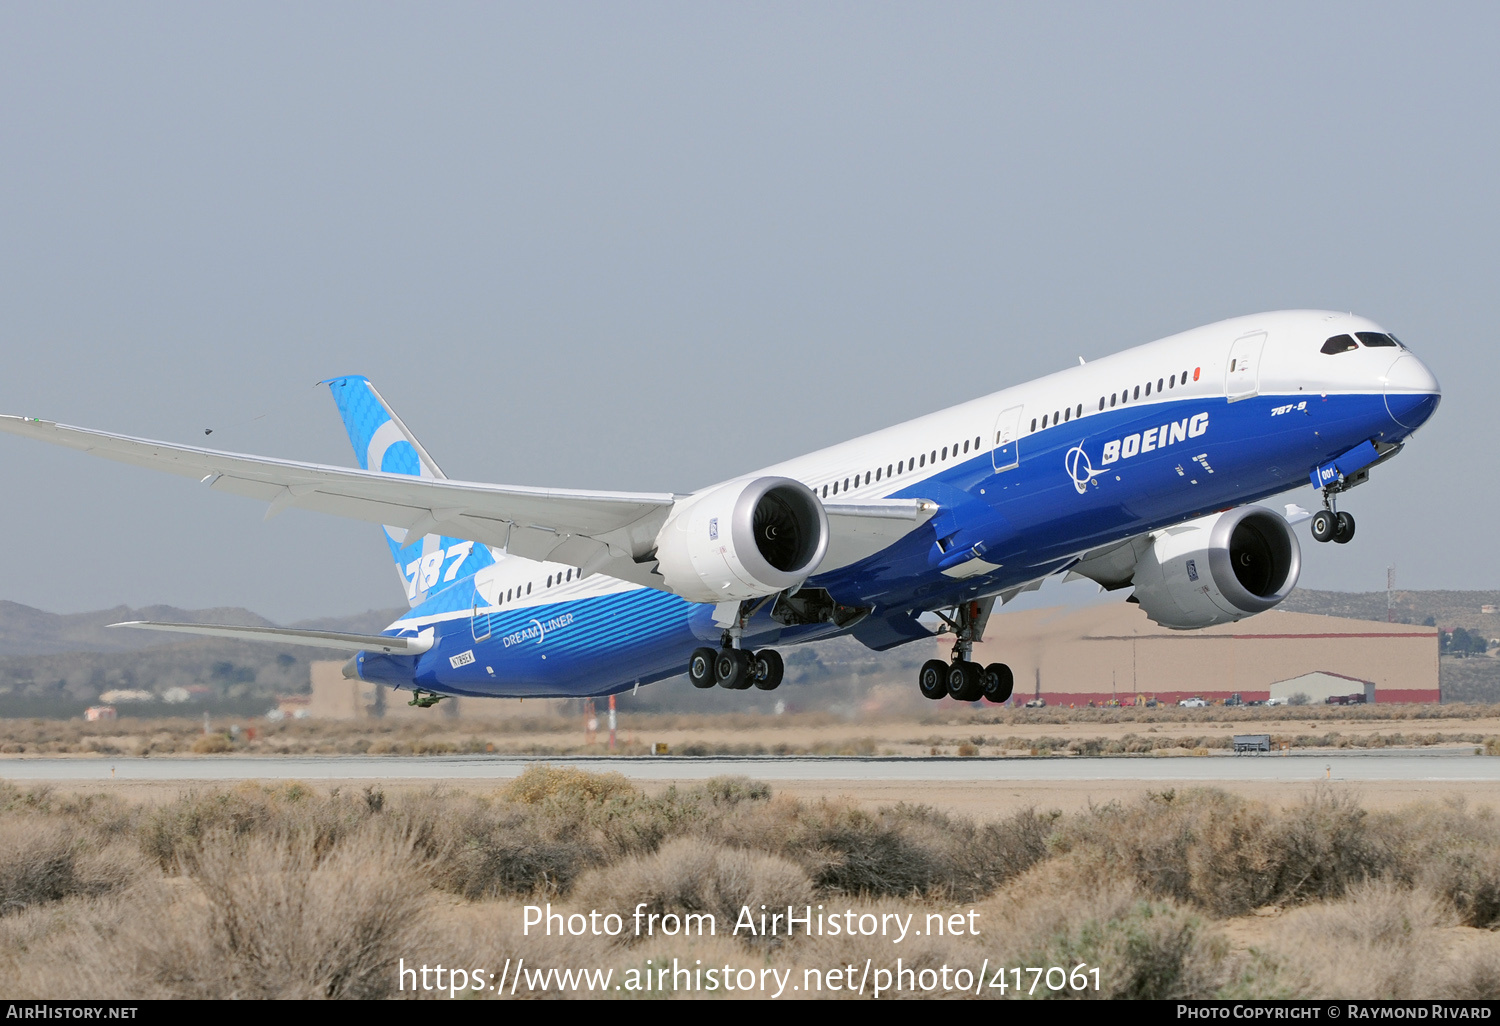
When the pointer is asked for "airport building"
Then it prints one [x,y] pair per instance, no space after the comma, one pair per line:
[1112,652]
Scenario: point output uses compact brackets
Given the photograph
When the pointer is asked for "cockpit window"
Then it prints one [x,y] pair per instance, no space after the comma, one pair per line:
[1340,344]
[1375,338]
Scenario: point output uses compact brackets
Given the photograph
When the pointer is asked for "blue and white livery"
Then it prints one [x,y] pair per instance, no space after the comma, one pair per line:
[1137,470]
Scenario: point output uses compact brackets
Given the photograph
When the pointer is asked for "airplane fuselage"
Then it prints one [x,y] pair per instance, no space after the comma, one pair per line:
[1028,481]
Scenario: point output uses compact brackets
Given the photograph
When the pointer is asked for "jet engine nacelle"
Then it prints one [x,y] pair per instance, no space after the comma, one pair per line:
[1218,568]
[744,540]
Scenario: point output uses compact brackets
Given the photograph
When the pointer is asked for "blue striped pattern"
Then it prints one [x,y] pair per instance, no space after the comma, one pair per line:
[595,626]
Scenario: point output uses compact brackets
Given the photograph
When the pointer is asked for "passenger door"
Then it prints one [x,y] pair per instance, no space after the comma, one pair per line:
[1242,373]
[1006,453]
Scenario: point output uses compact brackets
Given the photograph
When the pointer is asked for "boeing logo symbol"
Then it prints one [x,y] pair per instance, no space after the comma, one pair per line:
[1080,469]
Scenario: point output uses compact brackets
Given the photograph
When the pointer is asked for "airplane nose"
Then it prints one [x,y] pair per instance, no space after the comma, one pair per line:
[1411,391]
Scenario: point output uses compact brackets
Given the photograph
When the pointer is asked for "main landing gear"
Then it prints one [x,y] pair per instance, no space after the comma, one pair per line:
[963,679]
[734,669]
[729,665]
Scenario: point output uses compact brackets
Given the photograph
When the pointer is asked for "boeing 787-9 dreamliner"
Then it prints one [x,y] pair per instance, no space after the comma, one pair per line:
[1139,470]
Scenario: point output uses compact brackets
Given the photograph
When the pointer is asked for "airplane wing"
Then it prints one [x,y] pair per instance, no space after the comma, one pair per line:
[314,639]
[613,533]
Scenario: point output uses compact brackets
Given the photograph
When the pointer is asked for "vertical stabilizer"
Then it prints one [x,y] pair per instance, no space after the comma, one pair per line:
[382,442]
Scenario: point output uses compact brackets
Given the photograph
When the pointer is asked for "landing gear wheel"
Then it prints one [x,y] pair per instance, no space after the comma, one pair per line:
[766,669]
[997,683]
[932,681]
[732,669]
[1343,531]
[701,667]
[964,681]
[1324,524]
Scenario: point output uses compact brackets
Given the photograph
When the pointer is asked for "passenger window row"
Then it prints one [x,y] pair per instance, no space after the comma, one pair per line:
[901,467]
[1120,398]
[517,592]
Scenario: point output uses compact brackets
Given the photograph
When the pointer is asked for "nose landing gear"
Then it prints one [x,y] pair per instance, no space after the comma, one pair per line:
[1331,525]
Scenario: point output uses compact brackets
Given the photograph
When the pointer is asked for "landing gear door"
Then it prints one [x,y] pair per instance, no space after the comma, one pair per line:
[1006,453]
[1242,373]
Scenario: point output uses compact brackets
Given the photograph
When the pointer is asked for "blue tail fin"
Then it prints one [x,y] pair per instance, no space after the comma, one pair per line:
[382,442]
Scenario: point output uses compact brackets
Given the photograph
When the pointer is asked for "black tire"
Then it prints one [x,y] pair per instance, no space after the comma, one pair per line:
[1343,532]
[963,681]
[732,669]
[701,667]
[1324,524]
[766,669]
[932,681]
[998,683]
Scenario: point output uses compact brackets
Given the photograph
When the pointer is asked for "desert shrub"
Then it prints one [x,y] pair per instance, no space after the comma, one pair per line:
[1156,951]
[1468,877]
[518,851]
[1066,911]
[733,790]
[285,921]
[212,744]
[1015,844]
[1324,845]
[173,833]
[1227,855]
[551,825]
[1473,975]
[898,851]
[39,861]
[45,861]
[1455,854]
[689,874]
[539,783]
[262,916]
[1375,942]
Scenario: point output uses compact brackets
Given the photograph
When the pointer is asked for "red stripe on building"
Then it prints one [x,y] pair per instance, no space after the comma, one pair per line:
[1249,637]
[1081,699]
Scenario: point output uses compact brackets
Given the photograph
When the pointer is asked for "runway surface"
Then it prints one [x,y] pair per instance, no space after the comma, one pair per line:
[1431,765]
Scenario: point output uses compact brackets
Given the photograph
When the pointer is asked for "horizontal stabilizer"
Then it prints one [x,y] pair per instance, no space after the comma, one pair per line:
[315,639]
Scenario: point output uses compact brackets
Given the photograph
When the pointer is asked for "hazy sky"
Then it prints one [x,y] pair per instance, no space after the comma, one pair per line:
[647,246]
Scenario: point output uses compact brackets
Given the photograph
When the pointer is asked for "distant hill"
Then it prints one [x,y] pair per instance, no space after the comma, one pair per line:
[25,631]
[57,664]
[1448,609]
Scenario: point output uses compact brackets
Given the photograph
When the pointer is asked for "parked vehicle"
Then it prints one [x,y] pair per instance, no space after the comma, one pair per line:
[1037,703]
[1234,699]
[1193,703]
